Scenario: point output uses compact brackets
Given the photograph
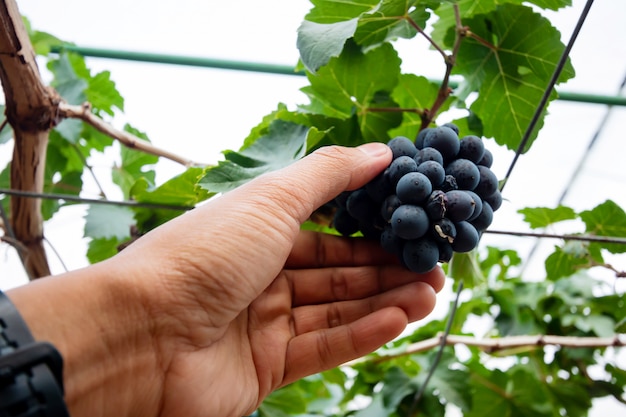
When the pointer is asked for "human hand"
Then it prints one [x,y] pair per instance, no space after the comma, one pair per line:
[223,305]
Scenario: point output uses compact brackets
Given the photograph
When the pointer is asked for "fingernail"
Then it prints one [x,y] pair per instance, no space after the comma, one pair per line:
[374,149]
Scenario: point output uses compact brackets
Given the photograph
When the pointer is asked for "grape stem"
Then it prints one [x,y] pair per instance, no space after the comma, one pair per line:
[450,60]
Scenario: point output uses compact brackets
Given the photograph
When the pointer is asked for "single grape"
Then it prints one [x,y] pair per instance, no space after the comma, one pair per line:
[487,159]
[390,242]
[443,230]
[379,188]
[445,140]
[428,154]
[413,188]
[344,223]
[487,183]
[436,205]
[340,200]
[399,167]
[452,126]
[449,183]
[434,171]
[361,206]
[472,148]
[409,221]
[478,205]
[373,228]
[494,200]
[420,255]
[391,203]
[459,205]
[401,145]
[419,139]
[445,251]
[466,237]
[484,219]
[465,172]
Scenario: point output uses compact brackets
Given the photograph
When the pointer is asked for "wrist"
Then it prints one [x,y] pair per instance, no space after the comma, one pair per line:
[97,324]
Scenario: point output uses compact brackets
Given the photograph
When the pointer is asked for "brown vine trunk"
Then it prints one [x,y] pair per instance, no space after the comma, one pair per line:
[31,110]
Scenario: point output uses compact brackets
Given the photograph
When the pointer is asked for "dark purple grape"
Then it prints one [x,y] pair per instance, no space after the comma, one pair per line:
[391,203]
[413,188]
[478,205]
[428,154]
[452,126]
[484,219]
[443,230]
[466,237]
[373,228]
[341,199]
[494,200]
[419,139]
[436,205]
[344,223]
[420,255]
[459,205]
[379,188]
[487,159]
[465,172]
[409,221]
[391,242]
[399,167]
[445,251]
[472,148]
[401,145]
[445,140]
[487,183]
[434,171]
[449,184]
[361,206]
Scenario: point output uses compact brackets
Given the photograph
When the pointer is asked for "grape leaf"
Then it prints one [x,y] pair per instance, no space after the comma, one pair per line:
[331,11]
[392,19]
[341,89]
[284,143]
[102,248]
[607,219]
[566,260]
[511,74]
[319,42]
[133,165]
[102,94]
[108,221]
[66,80]
[418,93]
[538,217]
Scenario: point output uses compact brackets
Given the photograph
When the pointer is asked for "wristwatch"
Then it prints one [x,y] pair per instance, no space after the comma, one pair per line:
[31,372]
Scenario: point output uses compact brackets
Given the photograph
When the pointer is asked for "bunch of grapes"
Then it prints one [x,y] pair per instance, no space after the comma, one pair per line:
[435,198]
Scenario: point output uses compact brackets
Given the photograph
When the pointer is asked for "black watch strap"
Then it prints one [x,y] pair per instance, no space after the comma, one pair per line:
[31,373]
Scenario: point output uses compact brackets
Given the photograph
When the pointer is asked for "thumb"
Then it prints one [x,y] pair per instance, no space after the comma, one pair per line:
[307,184]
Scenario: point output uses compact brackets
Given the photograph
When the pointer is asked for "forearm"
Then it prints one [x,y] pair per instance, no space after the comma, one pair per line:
[97,324]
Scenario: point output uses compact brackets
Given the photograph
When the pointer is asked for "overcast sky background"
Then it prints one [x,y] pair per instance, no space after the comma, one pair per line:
[198,112]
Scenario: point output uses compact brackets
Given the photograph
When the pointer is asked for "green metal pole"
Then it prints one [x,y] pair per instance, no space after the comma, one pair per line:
[267,68]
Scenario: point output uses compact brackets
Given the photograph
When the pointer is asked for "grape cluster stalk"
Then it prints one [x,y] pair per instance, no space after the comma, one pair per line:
[435,198]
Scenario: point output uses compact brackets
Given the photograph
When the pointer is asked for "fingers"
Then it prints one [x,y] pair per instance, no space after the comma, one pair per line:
[317,250]
[320,350]
[416,299]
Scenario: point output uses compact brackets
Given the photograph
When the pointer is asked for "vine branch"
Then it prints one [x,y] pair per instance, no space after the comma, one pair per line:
[127,139]
[501,344]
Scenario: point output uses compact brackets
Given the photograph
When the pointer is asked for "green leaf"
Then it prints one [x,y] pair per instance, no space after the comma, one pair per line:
[319,42]
[566,260]
[42,42]
[391,20]
[66,80]
[465,267]
[539,217]
[414,92]
[331,11]
[511,75]
[103,95]
[607,219]
[101,249]
[284,402]
[343,88]
[134,165]
[285,143]
[108,221]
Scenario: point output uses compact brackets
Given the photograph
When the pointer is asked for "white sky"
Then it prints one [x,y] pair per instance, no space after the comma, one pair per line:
[199,112]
